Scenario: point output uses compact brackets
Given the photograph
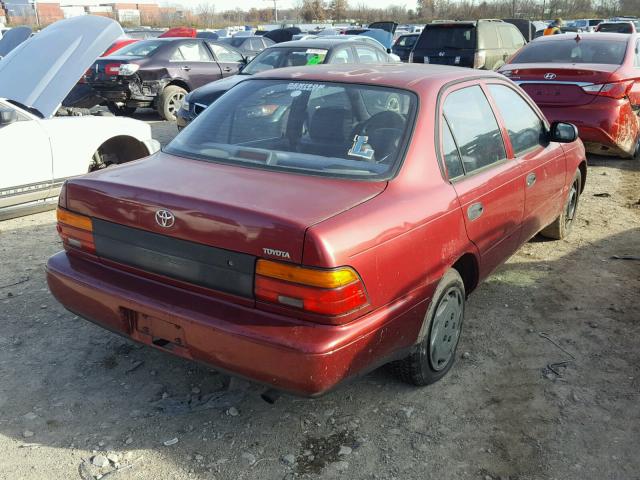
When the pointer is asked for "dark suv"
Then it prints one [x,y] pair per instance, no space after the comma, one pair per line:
[485,44]
[160,72]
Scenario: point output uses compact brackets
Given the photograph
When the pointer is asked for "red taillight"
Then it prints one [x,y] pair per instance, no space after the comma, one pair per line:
[76,231]
[612,90]
[112,68]
[330,292]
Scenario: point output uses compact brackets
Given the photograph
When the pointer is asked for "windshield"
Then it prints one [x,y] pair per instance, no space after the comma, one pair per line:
[407,41]
[143,48]
[315,128]
[569,51]
[285,57]
[448,36]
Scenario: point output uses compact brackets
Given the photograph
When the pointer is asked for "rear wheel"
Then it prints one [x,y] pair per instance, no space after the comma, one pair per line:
[561,226]
[170,101]
[434,355]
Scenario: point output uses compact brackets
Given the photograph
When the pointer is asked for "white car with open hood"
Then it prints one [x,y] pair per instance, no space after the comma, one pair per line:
[39,150]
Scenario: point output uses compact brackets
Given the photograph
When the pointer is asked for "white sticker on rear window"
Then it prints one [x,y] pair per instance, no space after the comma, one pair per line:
[316,51]
[360,148]
[305,86]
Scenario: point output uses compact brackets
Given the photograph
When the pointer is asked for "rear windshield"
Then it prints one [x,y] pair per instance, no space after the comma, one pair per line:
[407,41]
[285,57]
[448,36]
[615,27]
[569,51]
[143,48]
[315,128]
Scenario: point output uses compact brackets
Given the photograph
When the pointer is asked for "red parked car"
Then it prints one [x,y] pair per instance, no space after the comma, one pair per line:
[589,79]
[117,45]
[315,223]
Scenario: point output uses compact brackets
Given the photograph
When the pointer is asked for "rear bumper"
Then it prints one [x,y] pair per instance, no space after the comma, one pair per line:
[282,352]
[605,125]
[131,93]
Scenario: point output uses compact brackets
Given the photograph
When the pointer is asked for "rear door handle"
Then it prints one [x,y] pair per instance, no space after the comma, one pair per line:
[474,211]
[531,179]
[186,67]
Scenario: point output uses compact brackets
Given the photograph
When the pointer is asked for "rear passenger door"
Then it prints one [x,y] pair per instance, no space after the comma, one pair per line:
[488,184]
[543,163]
[194,63]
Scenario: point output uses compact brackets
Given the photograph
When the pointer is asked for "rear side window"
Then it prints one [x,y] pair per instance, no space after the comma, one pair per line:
[141,49]
[224,54]
[448,36]
[474,128]
[510,36]
[569,51]
[525,128]
[191,52]
[488,37]
[616,28]
[366,55]
[407,41]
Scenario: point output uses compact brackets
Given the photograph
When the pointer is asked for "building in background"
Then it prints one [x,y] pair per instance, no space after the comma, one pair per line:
[34,12]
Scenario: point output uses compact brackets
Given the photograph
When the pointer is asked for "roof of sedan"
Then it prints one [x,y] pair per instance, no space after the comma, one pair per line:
[400,75]
[621,37]
[319,42]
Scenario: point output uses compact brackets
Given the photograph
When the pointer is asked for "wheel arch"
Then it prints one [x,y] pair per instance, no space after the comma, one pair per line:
[179,83]
[121,148]
[467,267]
[583,172]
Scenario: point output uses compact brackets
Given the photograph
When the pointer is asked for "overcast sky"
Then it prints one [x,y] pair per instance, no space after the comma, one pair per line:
[222,5]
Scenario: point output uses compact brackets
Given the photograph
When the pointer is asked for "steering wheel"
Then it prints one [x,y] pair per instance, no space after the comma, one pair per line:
[384,131]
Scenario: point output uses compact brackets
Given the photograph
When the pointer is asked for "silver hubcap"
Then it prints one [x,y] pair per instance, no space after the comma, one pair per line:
[175,102]
[445,328]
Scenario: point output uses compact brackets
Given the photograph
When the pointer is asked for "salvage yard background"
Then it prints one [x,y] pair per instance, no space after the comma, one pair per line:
[546,386]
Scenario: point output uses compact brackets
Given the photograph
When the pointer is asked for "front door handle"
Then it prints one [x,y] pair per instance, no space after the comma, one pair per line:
[531,179]
[186,67]
[474,211]
[227,69]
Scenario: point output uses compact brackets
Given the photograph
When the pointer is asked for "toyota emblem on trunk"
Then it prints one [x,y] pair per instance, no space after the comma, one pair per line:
[165,218]
[549,76]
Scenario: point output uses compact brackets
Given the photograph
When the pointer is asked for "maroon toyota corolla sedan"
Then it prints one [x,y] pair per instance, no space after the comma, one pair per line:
[589,79]
[316,223]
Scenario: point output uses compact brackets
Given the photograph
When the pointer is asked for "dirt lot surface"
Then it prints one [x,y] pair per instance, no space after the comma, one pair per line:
[546,384]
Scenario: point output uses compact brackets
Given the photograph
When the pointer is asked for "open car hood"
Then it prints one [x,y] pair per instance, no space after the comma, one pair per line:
[12,39]
[41,71]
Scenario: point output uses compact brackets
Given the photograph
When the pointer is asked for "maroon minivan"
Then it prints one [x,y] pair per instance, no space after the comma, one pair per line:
[315,223]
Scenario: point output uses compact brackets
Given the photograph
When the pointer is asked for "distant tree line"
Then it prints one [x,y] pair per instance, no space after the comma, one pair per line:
[340,11]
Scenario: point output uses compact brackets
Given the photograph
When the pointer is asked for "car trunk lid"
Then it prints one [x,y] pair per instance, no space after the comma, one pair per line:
[246,210]
[107,68]
[558,85]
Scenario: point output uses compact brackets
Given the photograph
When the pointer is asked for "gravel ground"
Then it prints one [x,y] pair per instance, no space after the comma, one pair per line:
[77,401]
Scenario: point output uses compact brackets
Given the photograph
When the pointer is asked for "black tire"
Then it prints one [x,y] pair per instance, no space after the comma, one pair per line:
[561,226]
[170,101]
[421,366]
[120,110]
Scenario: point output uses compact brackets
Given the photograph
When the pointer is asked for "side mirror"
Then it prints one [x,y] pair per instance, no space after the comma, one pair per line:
[7,116]
[563,132]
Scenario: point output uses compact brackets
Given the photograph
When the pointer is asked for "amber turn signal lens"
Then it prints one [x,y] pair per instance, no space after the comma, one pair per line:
[329,292]
[76,231]
[313,277]
[74,220]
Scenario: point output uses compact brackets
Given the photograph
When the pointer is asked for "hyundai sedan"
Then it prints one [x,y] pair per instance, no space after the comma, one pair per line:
[316,223]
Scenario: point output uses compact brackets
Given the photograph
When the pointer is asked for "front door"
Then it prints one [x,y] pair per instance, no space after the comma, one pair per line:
[488,184]
[26,172]
[228,60]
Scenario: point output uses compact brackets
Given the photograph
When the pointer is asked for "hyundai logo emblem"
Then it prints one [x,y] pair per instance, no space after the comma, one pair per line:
[165,218]
[549,76]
